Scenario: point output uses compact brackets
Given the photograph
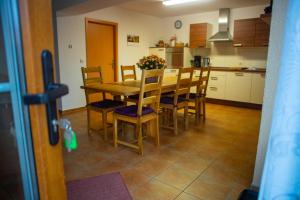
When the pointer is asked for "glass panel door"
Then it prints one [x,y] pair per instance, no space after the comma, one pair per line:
[17,168]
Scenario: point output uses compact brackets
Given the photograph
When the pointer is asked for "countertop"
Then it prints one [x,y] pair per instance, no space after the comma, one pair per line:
[239,69]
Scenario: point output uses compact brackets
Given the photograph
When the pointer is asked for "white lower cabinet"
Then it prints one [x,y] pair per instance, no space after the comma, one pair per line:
[238,86]
[216,85]
[257,88]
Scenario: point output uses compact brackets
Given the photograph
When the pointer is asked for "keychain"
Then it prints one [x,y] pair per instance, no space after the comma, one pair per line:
[70,139]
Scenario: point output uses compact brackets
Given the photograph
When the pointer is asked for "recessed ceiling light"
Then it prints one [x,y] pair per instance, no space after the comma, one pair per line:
[175,2]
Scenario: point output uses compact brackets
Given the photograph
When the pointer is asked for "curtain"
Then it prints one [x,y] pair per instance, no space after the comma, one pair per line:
[281,174]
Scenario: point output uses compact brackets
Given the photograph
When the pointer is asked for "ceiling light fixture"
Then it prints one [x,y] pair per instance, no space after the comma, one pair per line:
[175,2]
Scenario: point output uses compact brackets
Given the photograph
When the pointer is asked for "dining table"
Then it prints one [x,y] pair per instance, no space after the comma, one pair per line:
[128,88]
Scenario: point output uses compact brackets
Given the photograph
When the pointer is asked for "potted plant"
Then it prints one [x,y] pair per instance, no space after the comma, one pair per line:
[151,62]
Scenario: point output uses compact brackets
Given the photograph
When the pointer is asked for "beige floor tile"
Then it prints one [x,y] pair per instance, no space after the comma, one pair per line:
[155,190]
[177,177]
[208,190]
[185,196]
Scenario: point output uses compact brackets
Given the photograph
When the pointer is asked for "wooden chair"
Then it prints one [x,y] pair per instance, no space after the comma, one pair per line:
[129,74]
[91,76]
[199,98]
[146,110]
[179,99]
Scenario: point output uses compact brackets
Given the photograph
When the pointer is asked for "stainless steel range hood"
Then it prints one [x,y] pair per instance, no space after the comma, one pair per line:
[223,34]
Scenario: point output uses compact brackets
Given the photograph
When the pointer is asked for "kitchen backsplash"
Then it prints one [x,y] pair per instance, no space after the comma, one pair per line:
[225,55]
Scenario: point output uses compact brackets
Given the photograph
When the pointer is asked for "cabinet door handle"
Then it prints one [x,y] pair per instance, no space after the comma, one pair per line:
[239,74]
[160,49]
[213,88]
[238,45]
[214,78]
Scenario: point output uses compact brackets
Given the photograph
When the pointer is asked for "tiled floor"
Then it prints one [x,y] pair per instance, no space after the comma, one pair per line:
[212,160]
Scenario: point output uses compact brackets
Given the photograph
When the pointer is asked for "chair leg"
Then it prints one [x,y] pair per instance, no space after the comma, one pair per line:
[115,127]
[186,120]
[175,120]
[140,137]
[196,109]
[104,122]
[157,131]
[203,108]
[88,121]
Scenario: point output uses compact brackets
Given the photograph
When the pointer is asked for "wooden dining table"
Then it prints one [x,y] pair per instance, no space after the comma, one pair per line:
[127,88]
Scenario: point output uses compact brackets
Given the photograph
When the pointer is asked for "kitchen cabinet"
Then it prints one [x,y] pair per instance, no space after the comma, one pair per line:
[199,34]
[238,86]
[244,32]
[160,52]
[252,32]
[262,32]
[257,88]
[180,57]
[216,85]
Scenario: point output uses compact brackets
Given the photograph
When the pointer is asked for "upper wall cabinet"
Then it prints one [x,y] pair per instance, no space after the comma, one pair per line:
[262,33]
[251,33]
[199,34]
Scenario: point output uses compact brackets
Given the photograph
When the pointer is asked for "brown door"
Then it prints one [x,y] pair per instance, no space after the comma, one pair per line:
[37,33]
[101,47]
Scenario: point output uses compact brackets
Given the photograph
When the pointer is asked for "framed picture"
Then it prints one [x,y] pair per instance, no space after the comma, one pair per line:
[133,40]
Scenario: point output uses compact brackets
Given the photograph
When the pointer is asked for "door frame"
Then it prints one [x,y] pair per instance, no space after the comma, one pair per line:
[15,86]
[37,35]
[115,26]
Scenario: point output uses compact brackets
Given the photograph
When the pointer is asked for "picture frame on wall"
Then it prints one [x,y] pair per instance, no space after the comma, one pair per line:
[133,40]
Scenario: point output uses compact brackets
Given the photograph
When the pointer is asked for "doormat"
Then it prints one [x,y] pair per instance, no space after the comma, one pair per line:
[108,187]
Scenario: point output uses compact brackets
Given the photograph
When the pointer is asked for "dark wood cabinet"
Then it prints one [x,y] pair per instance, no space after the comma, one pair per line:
[262,32]
[251,33]
[244,32]
[199,34]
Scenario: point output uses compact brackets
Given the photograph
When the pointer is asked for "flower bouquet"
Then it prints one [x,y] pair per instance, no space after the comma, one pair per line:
[151,62]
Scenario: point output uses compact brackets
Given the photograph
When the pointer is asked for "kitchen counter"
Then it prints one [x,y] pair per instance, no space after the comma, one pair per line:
[239,69]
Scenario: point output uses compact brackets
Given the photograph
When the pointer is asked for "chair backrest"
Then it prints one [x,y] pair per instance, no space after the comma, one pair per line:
[150,91]
[91,76]
[128,72]
[183,86]
[203,81]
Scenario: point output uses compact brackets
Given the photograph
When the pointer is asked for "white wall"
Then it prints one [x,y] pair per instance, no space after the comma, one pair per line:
[71,30]
[221,54]
[273,65]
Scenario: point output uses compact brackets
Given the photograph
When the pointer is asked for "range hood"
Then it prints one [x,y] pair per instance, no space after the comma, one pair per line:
[223,35]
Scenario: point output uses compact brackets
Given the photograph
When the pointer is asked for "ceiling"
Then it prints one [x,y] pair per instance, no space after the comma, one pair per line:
[150,7]
[156,8]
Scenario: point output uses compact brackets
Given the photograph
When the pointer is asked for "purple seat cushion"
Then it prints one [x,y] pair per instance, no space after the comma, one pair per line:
[131,110]
[107,103]
[170,100]
[107,186]
[135,97]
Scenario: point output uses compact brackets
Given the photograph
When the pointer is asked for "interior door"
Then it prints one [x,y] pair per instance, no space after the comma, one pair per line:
[37,35]
[101,47]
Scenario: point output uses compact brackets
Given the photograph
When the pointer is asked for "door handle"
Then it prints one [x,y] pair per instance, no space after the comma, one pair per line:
[53,91]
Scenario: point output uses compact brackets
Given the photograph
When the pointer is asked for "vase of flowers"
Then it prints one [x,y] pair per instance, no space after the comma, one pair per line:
[151,62]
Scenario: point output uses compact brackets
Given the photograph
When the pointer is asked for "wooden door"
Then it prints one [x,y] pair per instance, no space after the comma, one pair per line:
[37,33]
[244,32]
[101,47]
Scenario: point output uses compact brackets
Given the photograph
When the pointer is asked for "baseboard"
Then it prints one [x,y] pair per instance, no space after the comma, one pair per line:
[69,111]
[234,103]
